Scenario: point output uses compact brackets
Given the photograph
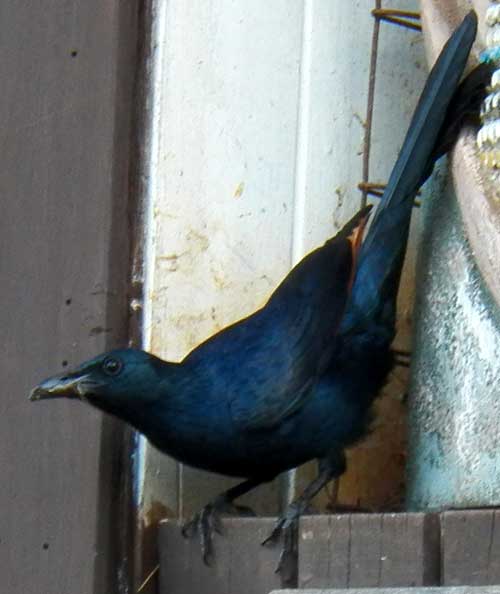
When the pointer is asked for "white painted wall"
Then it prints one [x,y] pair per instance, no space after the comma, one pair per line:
[258,129]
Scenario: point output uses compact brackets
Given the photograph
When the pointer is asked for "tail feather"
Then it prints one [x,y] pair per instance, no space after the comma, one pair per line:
[381,257]
[464,108]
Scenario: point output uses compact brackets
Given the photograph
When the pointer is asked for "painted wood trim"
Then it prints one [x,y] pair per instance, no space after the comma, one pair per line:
[66,72]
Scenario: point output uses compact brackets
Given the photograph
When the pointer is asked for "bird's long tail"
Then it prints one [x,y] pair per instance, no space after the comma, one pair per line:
[373,298]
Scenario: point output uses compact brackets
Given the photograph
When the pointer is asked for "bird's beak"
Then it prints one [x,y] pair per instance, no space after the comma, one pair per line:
[68,385]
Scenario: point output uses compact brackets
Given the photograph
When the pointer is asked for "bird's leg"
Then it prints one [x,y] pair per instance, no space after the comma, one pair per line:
[329,468]
[207,520]
[328,471]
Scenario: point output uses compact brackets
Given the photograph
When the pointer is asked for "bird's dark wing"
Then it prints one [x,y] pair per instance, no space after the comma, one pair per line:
[265,365]
[373,299]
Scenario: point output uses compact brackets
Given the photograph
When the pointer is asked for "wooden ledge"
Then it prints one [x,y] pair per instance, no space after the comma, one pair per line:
[378,551]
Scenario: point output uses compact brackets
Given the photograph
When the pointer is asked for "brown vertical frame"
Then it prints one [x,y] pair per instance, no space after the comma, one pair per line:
[67,85]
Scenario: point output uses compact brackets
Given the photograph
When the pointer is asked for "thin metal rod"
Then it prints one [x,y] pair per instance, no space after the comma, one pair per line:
[377,190]
[372,189]
[370,101]
[403,18]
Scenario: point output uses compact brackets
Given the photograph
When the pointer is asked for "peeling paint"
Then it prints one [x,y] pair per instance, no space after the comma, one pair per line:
[201,241]
[238,193]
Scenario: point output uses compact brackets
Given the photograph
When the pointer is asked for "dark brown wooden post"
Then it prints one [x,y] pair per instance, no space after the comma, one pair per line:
[66,80]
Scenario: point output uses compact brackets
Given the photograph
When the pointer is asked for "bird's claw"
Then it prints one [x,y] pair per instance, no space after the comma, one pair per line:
[276,532]
[286,528]
[284,523]
[287,562]
[208,521]
[205,522]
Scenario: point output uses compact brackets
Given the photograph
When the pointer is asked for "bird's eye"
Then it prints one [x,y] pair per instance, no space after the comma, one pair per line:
[112,366]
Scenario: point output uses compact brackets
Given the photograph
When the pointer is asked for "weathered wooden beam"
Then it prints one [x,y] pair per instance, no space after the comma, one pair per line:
[369,550]
[470,547]
[351,550]
[241,564]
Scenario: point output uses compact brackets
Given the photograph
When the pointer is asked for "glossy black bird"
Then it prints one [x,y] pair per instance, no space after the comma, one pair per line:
[296,380]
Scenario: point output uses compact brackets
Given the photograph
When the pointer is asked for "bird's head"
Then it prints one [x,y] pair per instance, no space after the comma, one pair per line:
[113,381]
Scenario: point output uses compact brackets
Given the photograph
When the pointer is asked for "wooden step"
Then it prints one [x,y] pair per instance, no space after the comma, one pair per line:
[356,550]
[377,551]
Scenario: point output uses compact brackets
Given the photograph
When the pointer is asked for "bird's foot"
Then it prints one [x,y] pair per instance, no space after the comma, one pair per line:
[208,521]
[286,528]
[285,521]
[205,523]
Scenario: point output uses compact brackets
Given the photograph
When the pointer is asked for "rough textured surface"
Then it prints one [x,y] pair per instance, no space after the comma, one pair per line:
[454,459]
[369,550]
[66,72]
[471,547]
[351,550]
[241,564]
[376,552]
